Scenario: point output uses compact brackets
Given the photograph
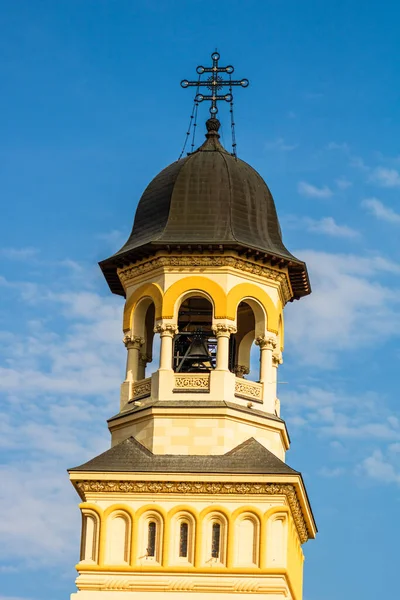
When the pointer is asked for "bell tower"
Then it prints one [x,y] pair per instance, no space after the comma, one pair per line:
[194,498]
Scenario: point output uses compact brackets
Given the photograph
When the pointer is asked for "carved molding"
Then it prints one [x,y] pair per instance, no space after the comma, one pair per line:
[277,359]
[126,274]
[194,487]
[210,583]
[250,390]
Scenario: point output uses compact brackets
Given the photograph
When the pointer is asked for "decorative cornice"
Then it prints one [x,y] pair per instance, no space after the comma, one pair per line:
[126,274]
[189,487]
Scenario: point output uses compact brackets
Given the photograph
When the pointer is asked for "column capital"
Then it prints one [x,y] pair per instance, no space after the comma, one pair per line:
[166,329]
[145,358]
[133,341]
[223,330]
[241,370]
[266,342]
[277,358]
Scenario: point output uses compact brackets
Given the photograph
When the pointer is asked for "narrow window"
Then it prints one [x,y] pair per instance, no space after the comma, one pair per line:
[151,539]
[183,540]
[215,540]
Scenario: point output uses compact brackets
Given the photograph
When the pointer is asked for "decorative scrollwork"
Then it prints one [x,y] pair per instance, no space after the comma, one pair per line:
[141,389]
[250,390]
[192,381]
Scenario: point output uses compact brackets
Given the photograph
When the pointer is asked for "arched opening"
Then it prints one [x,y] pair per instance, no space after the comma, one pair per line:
[242,341]
[195,345]
[143,322]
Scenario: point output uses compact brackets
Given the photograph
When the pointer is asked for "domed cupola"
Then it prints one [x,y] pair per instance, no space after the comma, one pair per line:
[210,201]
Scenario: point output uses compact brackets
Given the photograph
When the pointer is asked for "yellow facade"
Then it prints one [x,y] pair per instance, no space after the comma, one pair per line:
[262,520]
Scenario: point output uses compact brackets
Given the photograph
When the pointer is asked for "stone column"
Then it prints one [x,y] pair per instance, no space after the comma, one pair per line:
[276,361]
[222,332]
[143,360]
[267,346]
[167,332]
[133,345]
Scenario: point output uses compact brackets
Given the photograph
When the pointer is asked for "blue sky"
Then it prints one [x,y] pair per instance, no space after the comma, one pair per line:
[91,109]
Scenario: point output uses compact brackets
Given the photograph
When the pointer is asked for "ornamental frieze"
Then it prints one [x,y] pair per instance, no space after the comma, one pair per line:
[197,487]
[127,273]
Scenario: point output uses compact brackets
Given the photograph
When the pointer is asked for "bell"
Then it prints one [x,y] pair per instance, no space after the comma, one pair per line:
[197,357]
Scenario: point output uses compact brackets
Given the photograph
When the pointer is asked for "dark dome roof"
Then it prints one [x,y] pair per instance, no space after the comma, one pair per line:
[212,200]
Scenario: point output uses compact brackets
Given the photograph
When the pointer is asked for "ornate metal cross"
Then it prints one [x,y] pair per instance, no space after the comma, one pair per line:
[215,83]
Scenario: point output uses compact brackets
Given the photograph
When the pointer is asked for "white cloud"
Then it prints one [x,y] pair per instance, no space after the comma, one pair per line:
[281,145]
[348,308]
[328,226]
[343,183]
[58,384]
[378,467]
[312,191]
[380,211]
[389,178]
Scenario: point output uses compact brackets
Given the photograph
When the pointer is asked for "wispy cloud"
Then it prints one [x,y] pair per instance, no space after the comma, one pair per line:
[331,472]
[280,145]
[341,313]
[328,226]
[312,191]
[342,146]
[114,238]
[343,183]
[19,254]
[379,467]
[72,368]
[376,208]
[388,178]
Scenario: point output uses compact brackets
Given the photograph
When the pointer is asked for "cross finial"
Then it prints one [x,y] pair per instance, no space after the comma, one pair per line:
[215,83]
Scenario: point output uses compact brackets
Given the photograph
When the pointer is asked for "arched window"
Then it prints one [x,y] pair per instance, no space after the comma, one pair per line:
[183,539]
[151,538]
[216,540]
